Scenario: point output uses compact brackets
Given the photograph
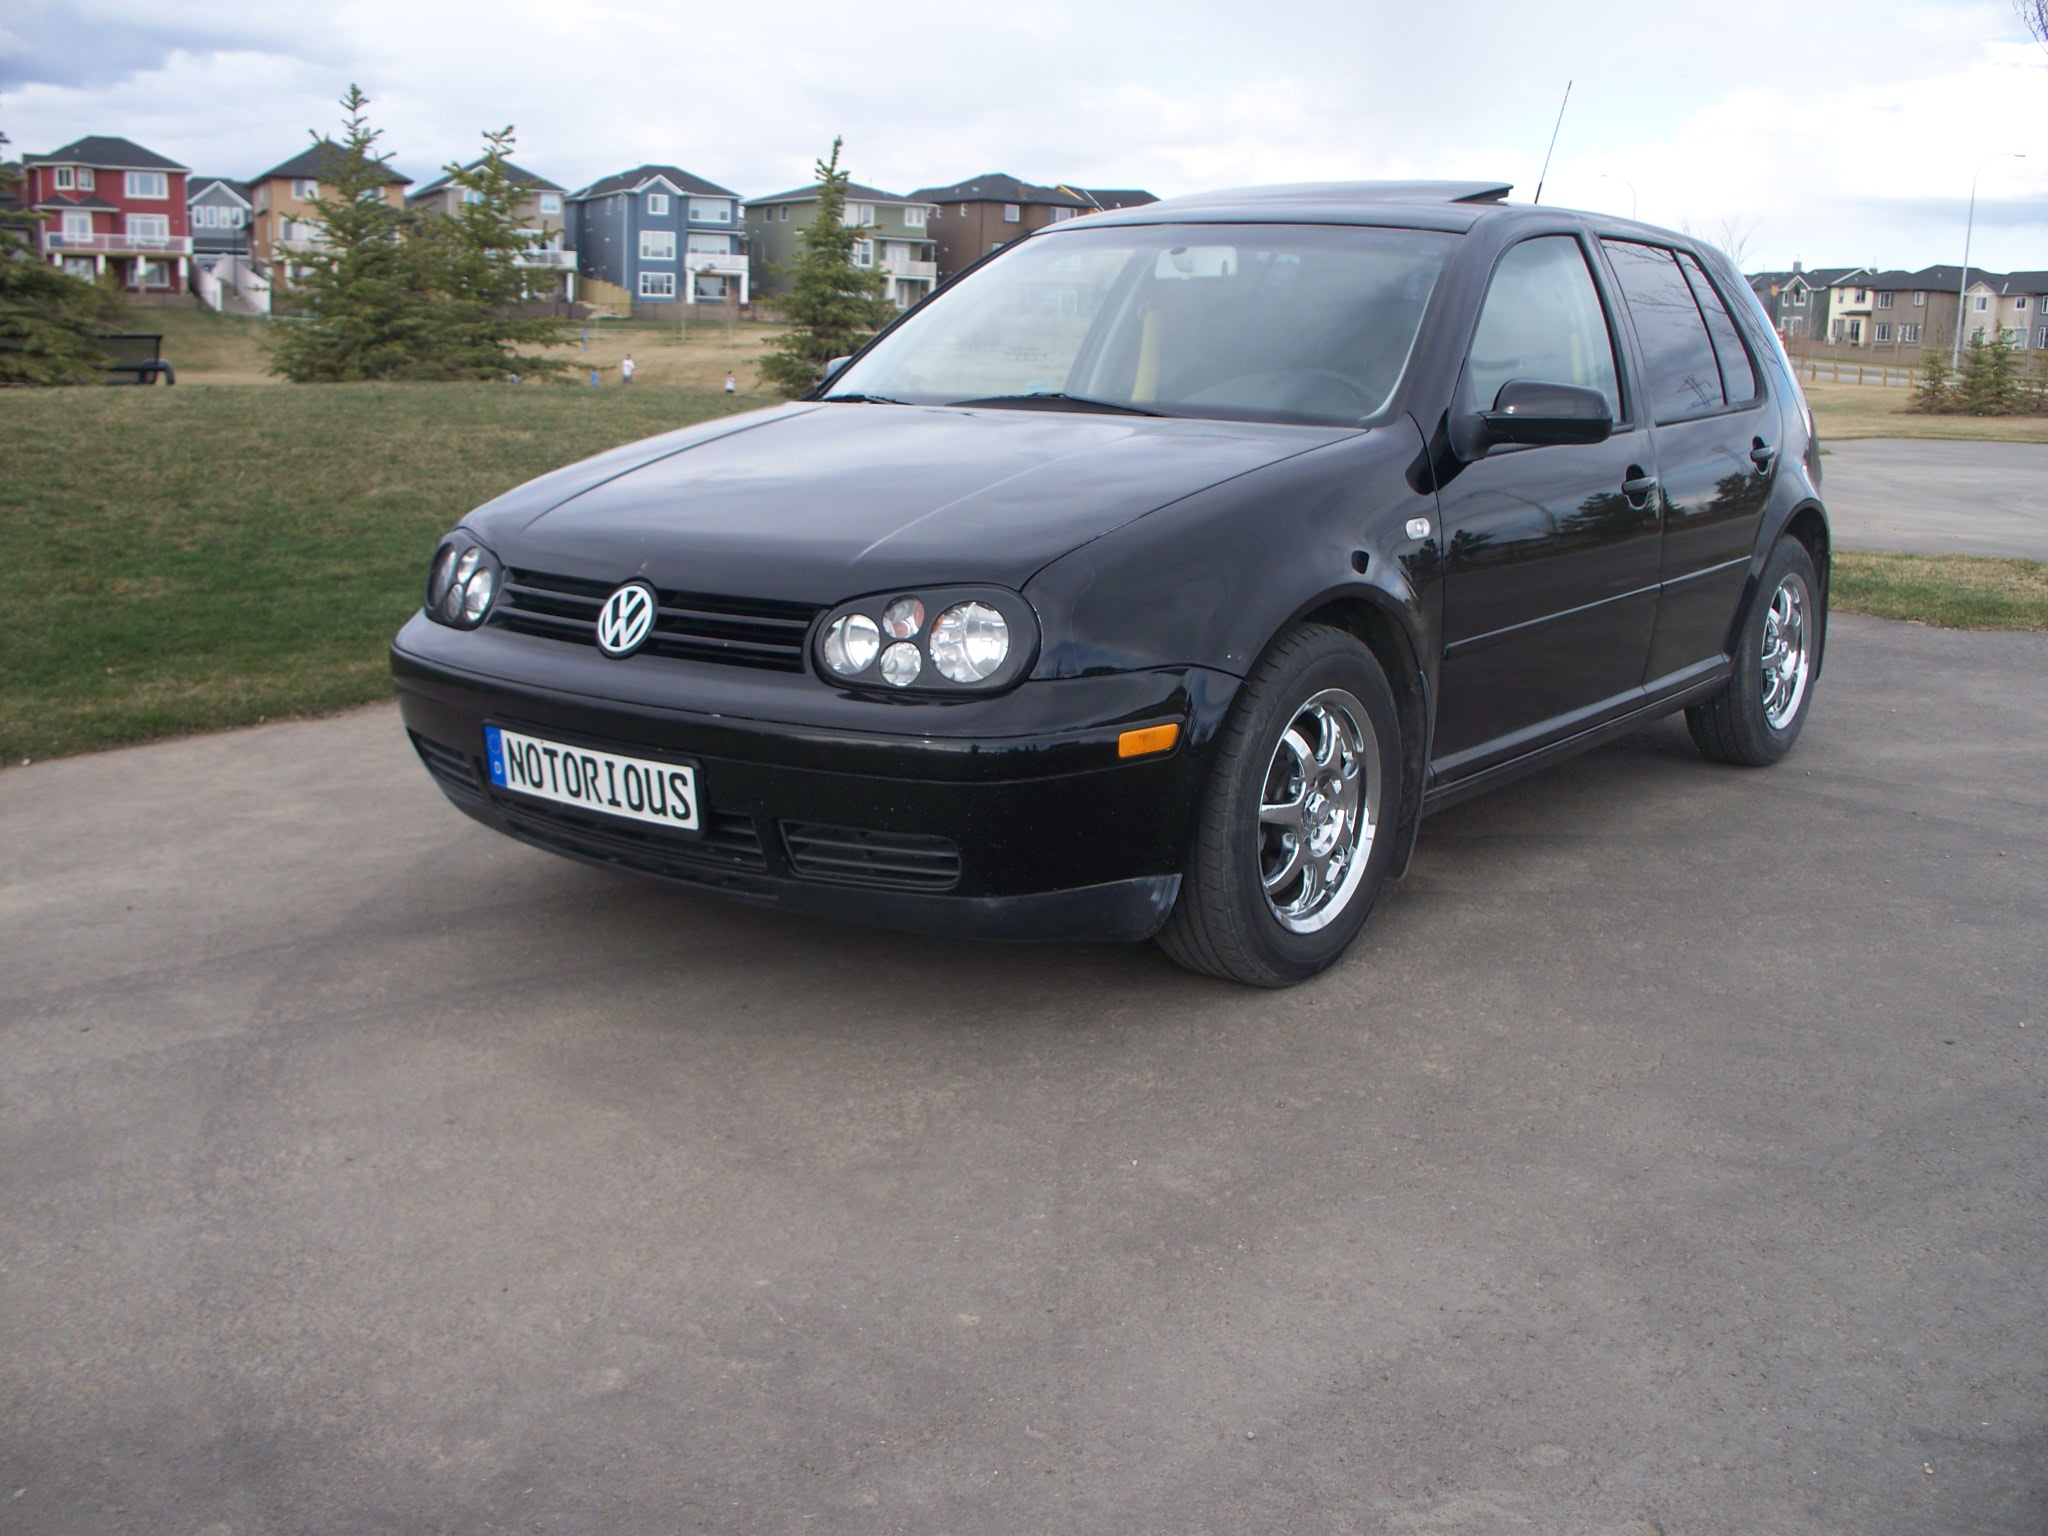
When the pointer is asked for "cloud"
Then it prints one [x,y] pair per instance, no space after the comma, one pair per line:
[1829,146]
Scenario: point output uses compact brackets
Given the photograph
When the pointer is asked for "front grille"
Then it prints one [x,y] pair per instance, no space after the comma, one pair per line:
[904,861]
[727,854]
[451,770]
[696,626]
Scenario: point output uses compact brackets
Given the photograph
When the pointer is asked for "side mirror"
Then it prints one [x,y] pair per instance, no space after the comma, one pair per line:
[1529,411]
[835,365]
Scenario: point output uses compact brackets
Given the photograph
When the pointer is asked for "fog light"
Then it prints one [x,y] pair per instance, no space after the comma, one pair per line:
[901,664]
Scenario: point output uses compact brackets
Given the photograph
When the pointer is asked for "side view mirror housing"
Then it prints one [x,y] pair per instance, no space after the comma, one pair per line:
[835,365]
[1531,412]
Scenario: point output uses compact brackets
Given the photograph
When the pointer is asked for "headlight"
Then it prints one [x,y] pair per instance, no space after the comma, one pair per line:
[461,582]
[984,638]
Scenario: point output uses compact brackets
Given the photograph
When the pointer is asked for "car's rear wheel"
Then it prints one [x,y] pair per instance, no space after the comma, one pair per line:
[1296,827]
[1756,718]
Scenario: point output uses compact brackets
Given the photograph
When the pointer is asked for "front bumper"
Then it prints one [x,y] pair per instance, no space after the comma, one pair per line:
[998,818]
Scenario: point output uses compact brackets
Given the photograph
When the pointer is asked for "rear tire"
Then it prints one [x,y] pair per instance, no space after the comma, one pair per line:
[1296,829]
[1755,719]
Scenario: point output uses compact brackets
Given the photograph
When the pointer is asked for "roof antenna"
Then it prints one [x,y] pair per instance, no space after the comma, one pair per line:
[1544,176]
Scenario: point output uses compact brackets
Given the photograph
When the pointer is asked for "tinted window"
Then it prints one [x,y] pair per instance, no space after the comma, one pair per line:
[1543,321]
[1738,378]
[1307,323]
[1678,359]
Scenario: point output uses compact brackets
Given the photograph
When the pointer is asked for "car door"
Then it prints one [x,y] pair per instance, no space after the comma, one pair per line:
[1551,551]
[1717,438]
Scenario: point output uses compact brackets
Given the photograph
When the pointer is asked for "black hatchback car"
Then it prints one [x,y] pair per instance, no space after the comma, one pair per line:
[1154,578]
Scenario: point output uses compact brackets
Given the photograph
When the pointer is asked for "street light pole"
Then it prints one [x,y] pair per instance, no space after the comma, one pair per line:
[1955,355]
[1610,176]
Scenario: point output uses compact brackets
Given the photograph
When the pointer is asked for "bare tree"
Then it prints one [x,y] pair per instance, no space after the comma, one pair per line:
[1731,234]
[2035,14]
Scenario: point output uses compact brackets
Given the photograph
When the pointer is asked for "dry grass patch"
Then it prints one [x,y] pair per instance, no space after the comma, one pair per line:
[1843,411]
[1948,591]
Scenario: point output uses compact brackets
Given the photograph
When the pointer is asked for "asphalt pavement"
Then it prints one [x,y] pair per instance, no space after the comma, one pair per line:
[1938,498]
[1666,1158]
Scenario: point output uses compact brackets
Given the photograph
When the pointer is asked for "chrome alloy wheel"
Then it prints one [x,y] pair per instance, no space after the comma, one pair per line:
[1319,809]
[1787,651]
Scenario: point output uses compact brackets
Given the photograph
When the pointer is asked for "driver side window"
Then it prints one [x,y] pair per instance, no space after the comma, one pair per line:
[1543,321]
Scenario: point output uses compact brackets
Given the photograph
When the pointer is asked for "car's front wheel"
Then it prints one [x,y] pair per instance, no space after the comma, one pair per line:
[1297,824]
[1756,718]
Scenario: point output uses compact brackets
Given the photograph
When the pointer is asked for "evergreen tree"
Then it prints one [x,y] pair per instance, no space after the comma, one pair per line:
[1990,383]
[468,265]
[1935,393]
[833,305]
[367,315]
[48,319]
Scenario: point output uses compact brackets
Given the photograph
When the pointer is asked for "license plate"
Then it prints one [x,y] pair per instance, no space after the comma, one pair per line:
[609,783]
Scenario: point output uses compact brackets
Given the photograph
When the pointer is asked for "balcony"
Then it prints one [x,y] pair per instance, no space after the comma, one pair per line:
[919,271]
[713,264]
[545,258]
[118,245]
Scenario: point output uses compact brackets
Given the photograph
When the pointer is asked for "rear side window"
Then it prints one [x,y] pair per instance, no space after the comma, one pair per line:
[1683,377]
[1738,378]
[1543,322]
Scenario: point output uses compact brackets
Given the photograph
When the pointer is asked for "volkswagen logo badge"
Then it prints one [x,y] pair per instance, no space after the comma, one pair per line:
[626,619]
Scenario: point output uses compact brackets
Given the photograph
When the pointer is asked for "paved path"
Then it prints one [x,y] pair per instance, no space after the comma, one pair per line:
[1668,1157]
[1938,498]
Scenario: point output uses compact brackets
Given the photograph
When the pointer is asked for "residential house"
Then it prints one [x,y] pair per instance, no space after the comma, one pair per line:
[895,238]
[217,209]
[663,235]
[1849,308]
[2013,304]
[113,206]
[540,211]
[1797,301]
[984,213]
[1912,310]
[283,220]
[1116,197]
[2028,292]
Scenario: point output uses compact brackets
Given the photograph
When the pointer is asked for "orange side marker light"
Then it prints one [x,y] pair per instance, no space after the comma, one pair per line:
[1149,739]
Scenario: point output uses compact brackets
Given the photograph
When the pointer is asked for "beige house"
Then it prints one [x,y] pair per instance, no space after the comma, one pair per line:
[1851,306]
[282,219]
[540,212]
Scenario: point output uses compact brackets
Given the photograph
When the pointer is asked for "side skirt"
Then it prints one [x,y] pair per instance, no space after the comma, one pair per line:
[1442,796]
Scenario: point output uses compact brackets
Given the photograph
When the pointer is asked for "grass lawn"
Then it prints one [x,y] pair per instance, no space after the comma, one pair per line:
[180,559]
[207,348]
[1949,591]
[1843,411]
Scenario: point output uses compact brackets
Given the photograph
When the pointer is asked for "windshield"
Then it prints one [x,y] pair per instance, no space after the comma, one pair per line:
[1291,322]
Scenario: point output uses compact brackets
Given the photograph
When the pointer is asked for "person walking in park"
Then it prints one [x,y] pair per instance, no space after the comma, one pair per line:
[732,385]
[626,370]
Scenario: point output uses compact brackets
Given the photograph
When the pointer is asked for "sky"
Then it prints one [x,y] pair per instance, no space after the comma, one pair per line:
[1829,137]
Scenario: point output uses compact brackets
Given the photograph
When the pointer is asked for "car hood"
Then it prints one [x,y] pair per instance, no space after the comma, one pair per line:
[817,503]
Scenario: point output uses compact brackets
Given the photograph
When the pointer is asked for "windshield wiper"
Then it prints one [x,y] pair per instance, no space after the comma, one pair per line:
[1060,400]
[867,399]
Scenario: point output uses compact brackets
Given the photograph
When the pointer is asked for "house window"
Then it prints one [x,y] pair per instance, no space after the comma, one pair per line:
[657,285]
[1061,215]
[1884,300]
[710,210]
[67,178]
[1855,333]
[1012,213]
[657,245]
[711,245]
[305,191]
[863,253]
[913,218]
[1884,330]
[2020,302]
[551,202]
[85,178]
[657,205]
[1983,303]
[1861,295]
[151,184]
[2041,337]
[152,227]
[471,197]
[859,215]
[78,226]
[1976,333]
[1919,301]
[1909,333]
[1799,298]
[1796,326]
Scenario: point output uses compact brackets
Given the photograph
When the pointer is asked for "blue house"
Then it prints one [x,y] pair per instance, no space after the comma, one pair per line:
[663,235]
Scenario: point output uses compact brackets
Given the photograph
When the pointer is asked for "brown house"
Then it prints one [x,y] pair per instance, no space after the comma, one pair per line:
[283,220]
[980,214]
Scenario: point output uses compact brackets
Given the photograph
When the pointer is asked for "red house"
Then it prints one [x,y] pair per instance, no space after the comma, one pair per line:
[113,205]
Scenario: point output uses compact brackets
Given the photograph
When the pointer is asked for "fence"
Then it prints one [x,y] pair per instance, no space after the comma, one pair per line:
[1883,375]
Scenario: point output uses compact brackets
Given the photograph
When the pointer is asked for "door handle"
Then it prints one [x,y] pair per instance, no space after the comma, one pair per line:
[1638,487]
[1761,454]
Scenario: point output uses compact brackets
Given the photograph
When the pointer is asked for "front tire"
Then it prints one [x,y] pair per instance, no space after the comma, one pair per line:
[1755,720]
[1297,824]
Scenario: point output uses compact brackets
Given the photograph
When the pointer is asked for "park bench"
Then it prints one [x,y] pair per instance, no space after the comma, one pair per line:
[137,360]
